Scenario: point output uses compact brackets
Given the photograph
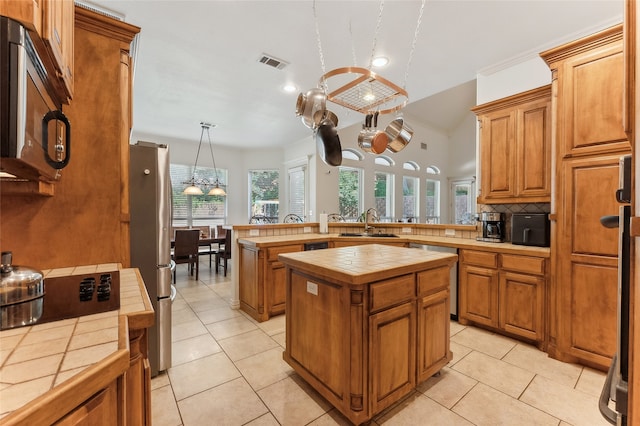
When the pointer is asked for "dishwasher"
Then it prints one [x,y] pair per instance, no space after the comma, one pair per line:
[453,280]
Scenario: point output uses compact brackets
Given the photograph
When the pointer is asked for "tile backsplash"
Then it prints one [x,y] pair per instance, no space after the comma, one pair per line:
[510,209]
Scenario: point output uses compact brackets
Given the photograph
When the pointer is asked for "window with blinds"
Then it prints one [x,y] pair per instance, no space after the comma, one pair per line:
[297,192]
[196,210]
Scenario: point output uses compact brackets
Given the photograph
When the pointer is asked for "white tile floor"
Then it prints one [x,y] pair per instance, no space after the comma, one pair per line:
[228,370]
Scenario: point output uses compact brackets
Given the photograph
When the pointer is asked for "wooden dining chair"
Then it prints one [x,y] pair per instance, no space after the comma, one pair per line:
[224,254]
[186,250]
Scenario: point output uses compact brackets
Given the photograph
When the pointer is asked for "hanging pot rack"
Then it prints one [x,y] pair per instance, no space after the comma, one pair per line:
[366,93]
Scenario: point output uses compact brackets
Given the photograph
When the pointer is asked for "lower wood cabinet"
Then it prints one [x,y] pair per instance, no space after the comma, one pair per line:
[262,280]
[504,292]
[100,409]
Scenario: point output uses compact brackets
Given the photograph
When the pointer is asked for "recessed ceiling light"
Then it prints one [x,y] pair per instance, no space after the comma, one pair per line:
[369,97]
[380,61]
[290,88]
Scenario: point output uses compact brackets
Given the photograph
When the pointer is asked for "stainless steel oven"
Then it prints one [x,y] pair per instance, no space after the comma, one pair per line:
[614,396]
[35,135]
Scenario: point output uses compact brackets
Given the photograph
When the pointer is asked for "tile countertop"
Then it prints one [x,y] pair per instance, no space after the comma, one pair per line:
[461,243]
[363,264]
[37,359]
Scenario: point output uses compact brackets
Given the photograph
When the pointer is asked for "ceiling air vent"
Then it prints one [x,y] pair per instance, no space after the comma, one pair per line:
[272,61]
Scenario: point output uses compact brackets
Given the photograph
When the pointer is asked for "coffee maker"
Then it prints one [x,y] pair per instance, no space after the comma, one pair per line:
[493,229]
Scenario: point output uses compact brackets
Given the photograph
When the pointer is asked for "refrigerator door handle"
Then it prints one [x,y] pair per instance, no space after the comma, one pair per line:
[173,293]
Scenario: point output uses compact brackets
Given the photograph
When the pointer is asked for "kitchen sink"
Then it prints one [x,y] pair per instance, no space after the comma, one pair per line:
[380,235]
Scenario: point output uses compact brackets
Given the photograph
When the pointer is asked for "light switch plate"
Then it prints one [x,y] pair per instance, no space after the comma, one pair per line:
[307,229]
[450,232]
[254,232]
[406,230]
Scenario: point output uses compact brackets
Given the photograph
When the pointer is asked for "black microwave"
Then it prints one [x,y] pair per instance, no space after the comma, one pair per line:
[35,136]
[530,229]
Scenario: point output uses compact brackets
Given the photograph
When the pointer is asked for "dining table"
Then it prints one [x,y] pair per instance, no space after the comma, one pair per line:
[206,242]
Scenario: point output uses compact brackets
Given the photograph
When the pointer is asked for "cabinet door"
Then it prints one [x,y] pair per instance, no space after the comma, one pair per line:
[497,154]
[479,295]
[533,165]
[100,409]
[587,265]
[392,355]
[590,95]
[275,288]
[250,284]
[57,33]
[521,303]
[433,334]
[27,12]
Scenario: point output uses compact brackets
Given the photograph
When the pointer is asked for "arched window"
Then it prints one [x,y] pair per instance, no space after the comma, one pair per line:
[411,165]
[433,170]
[352,154]
[383,160]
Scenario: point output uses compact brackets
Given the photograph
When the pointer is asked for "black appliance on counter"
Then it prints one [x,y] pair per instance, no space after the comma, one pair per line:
[492,227]
[616,385]
[530,229]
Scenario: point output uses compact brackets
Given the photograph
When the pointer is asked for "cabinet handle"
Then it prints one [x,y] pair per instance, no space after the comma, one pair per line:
[56,35]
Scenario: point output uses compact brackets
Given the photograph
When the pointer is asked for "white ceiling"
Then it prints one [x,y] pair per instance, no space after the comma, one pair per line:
[198,60]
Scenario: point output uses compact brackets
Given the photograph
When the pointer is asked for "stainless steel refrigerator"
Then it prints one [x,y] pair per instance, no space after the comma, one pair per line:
[150,206]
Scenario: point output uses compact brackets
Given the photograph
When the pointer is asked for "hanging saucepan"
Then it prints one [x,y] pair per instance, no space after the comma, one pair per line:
[328,142]
[370,139]
[399,134]
[308,104]
[319,116]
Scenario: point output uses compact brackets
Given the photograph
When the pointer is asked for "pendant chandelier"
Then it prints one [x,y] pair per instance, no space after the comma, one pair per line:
[195,184]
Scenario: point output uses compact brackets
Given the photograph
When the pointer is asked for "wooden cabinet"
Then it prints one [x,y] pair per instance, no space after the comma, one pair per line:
[100,409]
[89,205]
[366,345]
[275,279]
[433,319]
[57,34]
[262,280]
[588,80]
[505,292]
[51,23]
[515,148]
[392,342]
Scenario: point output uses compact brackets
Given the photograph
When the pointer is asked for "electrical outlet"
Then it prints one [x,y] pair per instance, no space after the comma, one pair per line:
[450,232]
[307,229]
[406,230]
[254,232]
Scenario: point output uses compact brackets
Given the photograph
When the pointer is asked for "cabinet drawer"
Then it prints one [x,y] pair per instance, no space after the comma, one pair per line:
[480,258]
[526,264]
[273,252]
[433,279]
[391,292]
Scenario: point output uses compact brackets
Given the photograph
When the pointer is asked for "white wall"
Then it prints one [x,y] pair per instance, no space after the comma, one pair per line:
[527,75]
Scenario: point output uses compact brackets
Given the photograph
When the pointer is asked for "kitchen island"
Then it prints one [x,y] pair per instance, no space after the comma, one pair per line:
[366,324]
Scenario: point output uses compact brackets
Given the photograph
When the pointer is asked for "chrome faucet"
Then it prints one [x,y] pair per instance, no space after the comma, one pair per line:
[370,216]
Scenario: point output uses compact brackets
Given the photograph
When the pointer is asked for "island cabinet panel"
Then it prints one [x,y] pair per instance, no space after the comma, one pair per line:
[365,340]
[320,338]
[251,283]
[433,321]
[275,280]
[100,409]
[392,352]
[504,292]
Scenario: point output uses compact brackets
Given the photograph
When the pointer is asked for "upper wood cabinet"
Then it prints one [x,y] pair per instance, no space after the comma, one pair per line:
[588,76]
[51,24]
[515,148]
